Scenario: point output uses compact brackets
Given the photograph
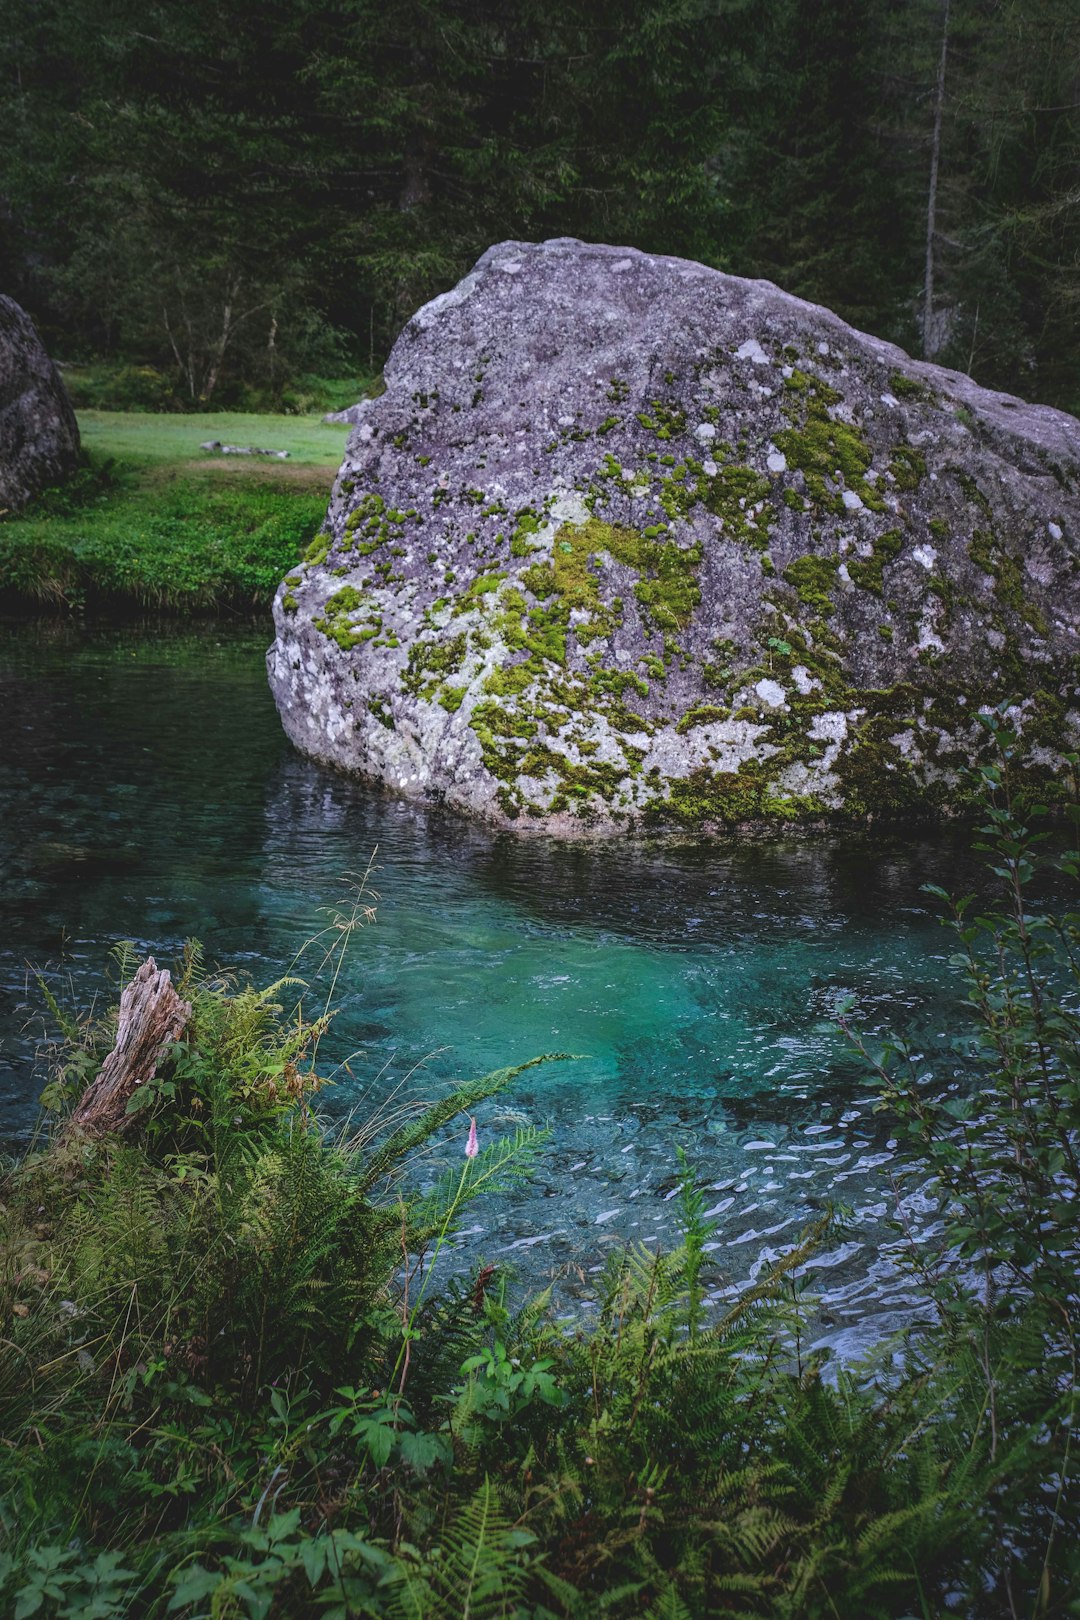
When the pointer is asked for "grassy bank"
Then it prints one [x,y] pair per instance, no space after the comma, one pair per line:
[234,1380]
[154,521]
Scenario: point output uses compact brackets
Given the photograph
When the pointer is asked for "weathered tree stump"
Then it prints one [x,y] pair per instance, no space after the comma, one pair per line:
[152,1016]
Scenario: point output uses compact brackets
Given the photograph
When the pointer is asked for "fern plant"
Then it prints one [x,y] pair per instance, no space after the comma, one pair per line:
[231,1366]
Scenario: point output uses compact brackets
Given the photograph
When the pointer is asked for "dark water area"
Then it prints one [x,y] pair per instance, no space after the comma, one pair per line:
[148,794]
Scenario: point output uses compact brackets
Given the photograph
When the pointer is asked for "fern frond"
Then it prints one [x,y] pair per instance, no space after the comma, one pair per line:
[125,956]
[288,981]
[766,1286]
[495,1169]
[66,1022]
[670,1606]
[462,1100]
[478,1571]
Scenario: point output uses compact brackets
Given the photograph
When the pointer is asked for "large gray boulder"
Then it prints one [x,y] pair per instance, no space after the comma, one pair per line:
[631,543]
[39,437]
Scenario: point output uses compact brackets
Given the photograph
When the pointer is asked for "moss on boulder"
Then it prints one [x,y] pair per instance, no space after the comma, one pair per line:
[628,543]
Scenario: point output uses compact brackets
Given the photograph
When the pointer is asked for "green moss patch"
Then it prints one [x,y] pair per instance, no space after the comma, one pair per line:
[821,447]
[578,783]
[908,467]
[666,421]
[732,495]
[336,621]
[814,578]
[729,798]
[378,707]
[703,714]
[1007,573]
[868,572]
[430,662]
[907,388]
[666,589]
[372,523]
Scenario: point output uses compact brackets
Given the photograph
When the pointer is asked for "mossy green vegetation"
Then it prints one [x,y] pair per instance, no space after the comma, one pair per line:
[451,698]
[372,524]
[1007,573]
[235,1380]
[153,522]
[907,388]
[823,446]
[738,496]
[814,579]
[908,467]
[714,798]
[703,714]
[666,420]
[431,661]
[666,586]
[527,525]
[349,618]
[380,709]
[556,681]
[868,572]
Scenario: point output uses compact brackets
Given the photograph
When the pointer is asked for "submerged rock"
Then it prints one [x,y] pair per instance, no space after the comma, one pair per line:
[631,543]
[39,437]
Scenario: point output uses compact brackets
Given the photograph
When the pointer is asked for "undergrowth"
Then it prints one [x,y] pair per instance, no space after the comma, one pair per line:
[234,1383]
[119,386]
[123,534]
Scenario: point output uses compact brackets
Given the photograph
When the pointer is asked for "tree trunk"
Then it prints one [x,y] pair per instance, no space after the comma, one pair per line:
[214,368]
[929,346]
[152,1017]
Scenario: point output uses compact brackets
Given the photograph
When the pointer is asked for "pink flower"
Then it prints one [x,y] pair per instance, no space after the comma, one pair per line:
[472,1147]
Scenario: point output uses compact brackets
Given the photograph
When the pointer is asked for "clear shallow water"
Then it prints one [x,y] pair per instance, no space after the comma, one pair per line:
[148,793]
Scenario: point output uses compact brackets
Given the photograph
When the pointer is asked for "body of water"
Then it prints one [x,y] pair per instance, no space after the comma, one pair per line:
[148,794]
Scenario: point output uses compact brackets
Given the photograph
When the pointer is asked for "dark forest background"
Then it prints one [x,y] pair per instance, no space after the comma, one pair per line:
[228,197]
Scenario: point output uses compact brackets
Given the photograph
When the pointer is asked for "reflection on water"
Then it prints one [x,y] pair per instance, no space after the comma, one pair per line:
[148,794]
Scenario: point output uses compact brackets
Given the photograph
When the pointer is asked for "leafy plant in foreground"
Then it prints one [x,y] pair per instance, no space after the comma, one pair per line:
[1002,1143]
[223,1375]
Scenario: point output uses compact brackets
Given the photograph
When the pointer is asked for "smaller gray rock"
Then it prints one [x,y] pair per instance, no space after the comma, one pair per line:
[352,415]
[39,437]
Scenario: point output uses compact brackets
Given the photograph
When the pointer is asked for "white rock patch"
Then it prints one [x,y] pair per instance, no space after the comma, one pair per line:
[829,727]
[805,683]
[752,350]
[771,694]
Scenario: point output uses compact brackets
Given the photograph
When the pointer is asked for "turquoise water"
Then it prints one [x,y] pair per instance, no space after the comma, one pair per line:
[148,794]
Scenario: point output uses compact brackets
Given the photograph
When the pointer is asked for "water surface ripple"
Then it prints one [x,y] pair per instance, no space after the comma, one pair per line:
[148,794]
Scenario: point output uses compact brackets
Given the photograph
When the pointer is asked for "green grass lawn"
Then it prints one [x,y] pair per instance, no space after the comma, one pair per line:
[156,437]
[152,520]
